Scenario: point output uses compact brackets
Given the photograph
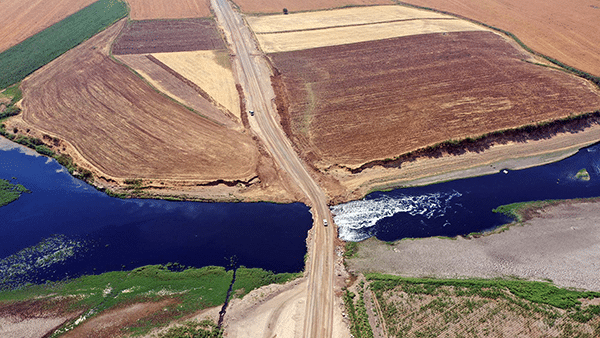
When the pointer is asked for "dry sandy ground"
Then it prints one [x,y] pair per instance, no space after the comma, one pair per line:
[275,311]
[562,29]
[165,9]
[561,244]
[29,328]
[24,18]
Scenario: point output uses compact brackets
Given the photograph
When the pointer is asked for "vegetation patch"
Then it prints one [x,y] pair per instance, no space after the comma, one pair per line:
[357,313]
[583,175]
[193,288]
[10,192]
[23,59]
[415,307]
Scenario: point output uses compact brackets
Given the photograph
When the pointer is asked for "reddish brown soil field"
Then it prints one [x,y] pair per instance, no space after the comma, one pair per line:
[352,104]
[275,6]
[123,127]
[24,18]
[163,36]
[167,9]
[565,30]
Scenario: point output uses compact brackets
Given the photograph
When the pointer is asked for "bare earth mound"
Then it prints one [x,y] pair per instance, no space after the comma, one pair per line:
[163,36]
[355,103]
[274,6]
[123,127]
[24,18]
[165,9]
[561,244]
[562,29]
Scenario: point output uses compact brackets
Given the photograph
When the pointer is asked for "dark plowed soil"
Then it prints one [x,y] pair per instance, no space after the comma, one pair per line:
[162,36]
[356,103]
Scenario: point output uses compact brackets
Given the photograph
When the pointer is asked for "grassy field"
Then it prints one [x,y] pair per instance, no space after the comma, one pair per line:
[10,192]
[412,307]
[21,60]
[193,289]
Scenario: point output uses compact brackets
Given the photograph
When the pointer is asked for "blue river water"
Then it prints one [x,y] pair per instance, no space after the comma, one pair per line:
[66,228]
[463,206]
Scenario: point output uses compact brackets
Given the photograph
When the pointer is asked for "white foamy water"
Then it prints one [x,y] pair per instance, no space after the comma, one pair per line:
[352,217]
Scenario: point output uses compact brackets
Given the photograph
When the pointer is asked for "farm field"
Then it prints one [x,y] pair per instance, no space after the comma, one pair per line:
[564,30]
[123,128]
[340,17]
[31,54]
[176,86]
[209,70]
[164,9]
[22,19]
[276,6]
[278,33]
[163,36]
[409,307]
[416,91]
[298,40]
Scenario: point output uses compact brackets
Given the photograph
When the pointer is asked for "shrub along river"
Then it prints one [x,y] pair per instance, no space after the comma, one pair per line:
[464,206]
[66,228]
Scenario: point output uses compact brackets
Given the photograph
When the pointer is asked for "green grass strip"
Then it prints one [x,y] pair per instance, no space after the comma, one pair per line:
[23,59]
[537,292]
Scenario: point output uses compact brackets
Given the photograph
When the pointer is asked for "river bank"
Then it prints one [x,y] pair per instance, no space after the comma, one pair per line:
[560,242]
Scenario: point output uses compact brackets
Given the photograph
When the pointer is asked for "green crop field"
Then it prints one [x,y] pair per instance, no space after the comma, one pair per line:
[23,59]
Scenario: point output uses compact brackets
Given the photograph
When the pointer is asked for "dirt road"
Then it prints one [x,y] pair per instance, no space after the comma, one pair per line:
[254,75]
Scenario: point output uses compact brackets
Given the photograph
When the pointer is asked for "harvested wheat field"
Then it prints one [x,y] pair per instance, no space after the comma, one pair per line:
[22,19]
[356,103]
[209,70]
[277,33]
[164,9]
[163,36]
[339,17]
[565,30]
[277,6]
[123,127]
[179,88]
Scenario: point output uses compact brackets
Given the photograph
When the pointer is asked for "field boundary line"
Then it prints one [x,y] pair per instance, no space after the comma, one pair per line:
[352,25]
[594,79]
[191,84]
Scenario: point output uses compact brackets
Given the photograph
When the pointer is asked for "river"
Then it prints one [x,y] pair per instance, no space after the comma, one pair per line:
[66,228]
[463,206]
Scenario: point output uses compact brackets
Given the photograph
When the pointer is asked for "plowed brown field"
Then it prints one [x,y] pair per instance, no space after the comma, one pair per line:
[274,6]
[166,9]
[24,18]
[123,127]
[565,30]
[163,36]
[352,104]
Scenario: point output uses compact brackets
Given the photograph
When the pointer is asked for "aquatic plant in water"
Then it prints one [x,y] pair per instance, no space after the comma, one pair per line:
[16,269]
[10,192]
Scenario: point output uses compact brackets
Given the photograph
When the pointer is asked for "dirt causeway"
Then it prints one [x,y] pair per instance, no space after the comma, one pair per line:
[24,18]
[161,36]
[416,91]
[565,30]
[166,9]
[561,243]
[277,6]
[123,128]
